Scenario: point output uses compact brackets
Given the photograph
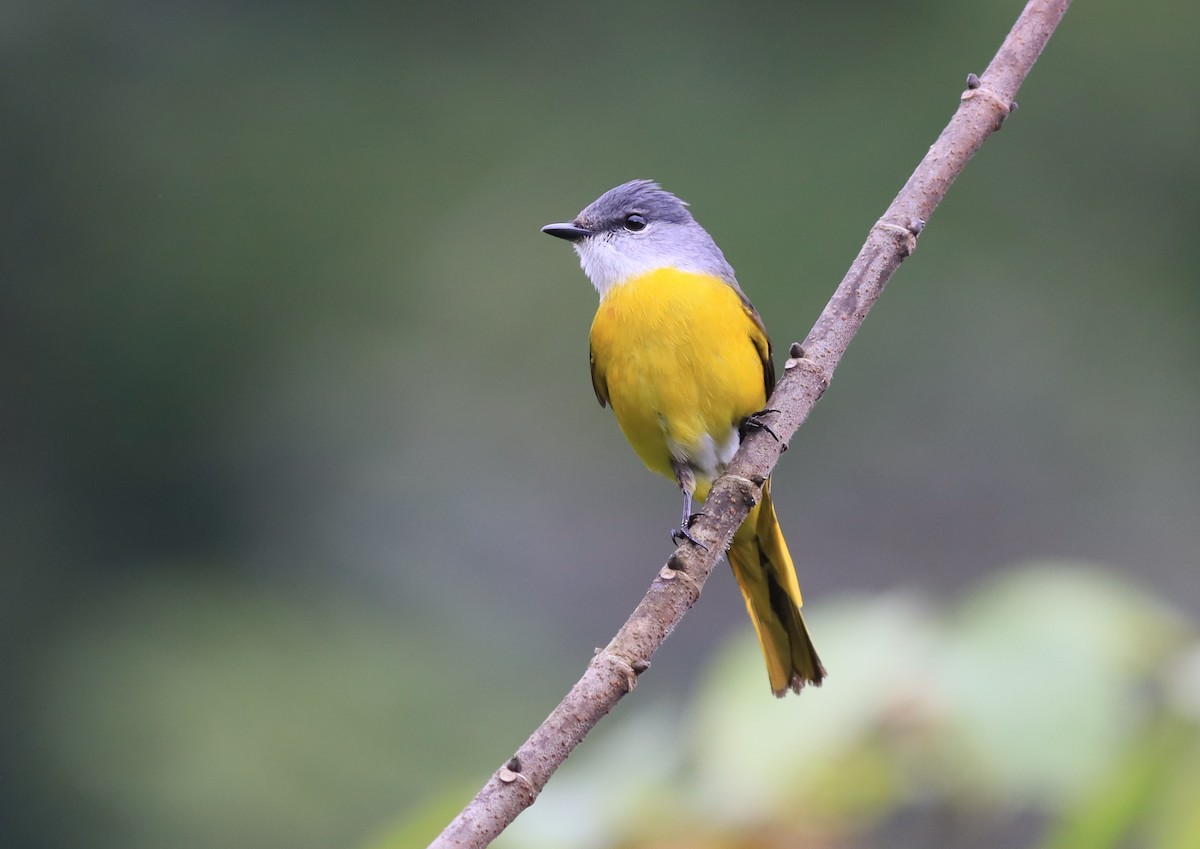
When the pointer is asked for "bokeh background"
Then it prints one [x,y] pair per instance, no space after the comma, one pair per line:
[308,514]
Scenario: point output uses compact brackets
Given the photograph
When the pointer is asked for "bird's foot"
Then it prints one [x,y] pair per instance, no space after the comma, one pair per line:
[755,421]
[681,533]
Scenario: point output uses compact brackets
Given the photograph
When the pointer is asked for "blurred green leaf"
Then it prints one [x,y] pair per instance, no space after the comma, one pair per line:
[1146,796]
[1041,664]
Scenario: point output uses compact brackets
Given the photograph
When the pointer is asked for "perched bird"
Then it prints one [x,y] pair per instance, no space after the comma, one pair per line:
[682,357]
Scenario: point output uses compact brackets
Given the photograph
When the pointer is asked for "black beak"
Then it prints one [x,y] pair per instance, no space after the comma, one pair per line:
[569,231]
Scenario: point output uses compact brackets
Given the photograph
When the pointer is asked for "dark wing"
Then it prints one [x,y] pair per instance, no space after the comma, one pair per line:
[600,385]
[758,335]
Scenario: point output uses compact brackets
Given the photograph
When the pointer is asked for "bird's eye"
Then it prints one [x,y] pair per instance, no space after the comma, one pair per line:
[635,222]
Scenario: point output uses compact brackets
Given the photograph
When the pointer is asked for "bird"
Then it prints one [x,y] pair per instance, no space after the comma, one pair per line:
[683,359]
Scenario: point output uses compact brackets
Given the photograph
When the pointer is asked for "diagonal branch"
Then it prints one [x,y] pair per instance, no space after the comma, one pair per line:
[613,671]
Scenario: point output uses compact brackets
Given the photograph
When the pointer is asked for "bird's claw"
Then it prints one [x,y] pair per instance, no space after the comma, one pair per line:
[681,533]
[755,420]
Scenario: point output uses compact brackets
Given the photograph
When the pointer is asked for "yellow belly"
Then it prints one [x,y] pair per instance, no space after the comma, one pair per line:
[679,356]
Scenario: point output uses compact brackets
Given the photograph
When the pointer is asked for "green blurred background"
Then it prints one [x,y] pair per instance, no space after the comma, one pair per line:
[308,514]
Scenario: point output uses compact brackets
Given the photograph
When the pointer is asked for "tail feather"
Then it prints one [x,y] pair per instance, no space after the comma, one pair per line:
[764,571]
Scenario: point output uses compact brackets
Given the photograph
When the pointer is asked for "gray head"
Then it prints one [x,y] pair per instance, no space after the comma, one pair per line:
[636,228]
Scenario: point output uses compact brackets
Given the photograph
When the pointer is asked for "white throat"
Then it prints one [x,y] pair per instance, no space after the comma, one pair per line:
[609,259]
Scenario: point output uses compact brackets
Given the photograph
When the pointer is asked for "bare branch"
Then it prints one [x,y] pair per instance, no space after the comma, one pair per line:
[613,672]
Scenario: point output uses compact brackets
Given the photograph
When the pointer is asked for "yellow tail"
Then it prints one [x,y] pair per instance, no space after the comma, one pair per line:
[763,568]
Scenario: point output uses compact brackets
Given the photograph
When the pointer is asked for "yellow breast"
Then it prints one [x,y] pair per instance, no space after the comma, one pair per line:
[681,361]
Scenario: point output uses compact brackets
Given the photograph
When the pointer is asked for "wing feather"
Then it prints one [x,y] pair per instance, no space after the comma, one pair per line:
[758,335]
[599,382]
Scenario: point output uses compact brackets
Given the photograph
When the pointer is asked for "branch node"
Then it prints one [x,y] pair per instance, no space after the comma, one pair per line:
[749,488]
[627,670]
[810,366]
[511,772]
[979,90]
[670,573]
[905,234]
